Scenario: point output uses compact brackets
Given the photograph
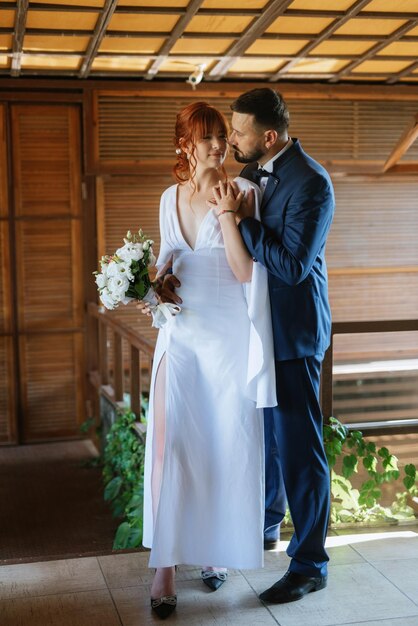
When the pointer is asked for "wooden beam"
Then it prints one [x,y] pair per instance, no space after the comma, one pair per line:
[176,33]
[325,34]
[65,8]
[98,34]
[404,143]
[19,33]
[408,70]
[399,32]
[272,11]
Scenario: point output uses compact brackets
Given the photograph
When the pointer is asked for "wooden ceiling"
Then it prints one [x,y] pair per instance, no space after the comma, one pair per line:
[367,41]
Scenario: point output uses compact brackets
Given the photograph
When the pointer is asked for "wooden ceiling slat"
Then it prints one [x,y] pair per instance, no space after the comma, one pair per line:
[177,32]
[405,72]
[99,33]
[19,33]
[273,10]
[329,30]
[202,28]
[70,7]
[399,32]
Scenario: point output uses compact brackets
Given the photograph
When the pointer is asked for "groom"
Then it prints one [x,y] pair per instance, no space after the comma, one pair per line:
[296,214]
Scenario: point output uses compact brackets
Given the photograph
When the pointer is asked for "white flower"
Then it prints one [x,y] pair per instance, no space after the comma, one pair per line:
[118,286]
[130,252]
[101,280]
[115,269]
[107,299]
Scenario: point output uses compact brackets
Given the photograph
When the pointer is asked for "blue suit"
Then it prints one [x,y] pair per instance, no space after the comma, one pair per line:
[296,214]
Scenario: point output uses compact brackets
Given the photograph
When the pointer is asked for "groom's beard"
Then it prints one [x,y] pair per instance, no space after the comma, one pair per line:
[250,157]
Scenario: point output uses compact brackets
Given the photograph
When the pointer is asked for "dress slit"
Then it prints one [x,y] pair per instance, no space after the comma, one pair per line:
[159,434]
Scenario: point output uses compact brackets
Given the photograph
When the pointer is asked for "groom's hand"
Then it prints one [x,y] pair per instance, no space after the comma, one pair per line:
[166,291]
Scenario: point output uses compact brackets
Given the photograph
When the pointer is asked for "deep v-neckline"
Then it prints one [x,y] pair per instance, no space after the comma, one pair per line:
[176,204]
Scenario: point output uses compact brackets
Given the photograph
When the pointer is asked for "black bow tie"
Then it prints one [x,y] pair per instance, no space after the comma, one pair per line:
[260,173]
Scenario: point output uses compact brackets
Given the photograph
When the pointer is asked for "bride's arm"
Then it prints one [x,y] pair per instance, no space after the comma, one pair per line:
[228,202]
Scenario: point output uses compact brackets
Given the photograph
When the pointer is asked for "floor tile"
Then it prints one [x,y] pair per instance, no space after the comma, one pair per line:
[379,546]
[50,577]
[91,608]
[234,604]
[403,574]
[402,621]
[356,592]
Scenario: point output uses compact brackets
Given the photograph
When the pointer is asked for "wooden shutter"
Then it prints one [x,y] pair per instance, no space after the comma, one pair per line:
[133,129]
[372,259]
[49,280]
[7,362]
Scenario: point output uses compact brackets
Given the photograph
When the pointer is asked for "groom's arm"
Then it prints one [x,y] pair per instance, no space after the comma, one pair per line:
[307,221]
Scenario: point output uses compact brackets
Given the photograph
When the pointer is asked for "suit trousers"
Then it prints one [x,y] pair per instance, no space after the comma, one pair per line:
[297,428]
[275,494]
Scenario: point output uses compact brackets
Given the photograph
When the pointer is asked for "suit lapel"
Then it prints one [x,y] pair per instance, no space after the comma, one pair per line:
[271,187]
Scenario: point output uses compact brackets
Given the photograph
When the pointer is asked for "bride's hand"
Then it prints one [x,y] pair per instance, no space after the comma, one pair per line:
[247,207]
[227,197]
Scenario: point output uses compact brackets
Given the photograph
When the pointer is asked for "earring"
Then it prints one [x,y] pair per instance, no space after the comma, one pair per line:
[178,151]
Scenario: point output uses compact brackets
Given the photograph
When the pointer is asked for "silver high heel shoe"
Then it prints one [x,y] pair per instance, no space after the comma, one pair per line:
[164,606]
[212,579]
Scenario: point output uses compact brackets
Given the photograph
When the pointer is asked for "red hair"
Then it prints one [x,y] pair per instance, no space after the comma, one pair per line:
[192,124]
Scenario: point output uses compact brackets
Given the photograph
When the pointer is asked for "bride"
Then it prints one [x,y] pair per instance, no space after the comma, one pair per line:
[213,372]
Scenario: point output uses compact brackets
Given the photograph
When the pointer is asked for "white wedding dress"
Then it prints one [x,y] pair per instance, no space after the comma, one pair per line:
[219,373]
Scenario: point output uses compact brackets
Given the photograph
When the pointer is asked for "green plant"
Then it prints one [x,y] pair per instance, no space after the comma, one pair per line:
[123,459]
[361,504]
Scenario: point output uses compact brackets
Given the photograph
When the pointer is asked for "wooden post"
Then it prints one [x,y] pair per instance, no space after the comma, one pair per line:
[118,366]
[104,376]
[135,382]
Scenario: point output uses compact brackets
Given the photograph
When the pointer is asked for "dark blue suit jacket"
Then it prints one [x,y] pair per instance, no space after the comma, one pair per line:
[296,214]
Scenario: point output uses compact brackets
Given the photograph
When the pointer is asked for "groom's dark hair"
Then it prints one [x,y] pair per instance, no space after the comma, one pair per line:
[268,107]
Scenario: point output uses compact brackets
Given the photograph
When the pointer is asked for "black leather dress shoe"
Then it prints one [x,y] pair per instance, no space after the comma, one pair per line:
[292,587]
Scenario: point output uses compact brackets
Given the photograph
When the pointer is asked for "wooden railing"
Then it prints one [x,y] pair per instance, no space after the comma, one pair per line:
[343,328]
[109,364]
[107,333]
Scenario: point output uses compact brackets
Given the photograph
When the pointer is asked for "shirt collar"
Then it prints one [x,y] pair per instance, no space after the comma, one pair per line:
[270,164]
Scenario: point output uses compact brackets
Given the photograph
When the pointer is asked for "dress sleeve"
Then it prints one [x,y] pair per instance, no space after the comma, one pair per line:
[261,377]
[166,251]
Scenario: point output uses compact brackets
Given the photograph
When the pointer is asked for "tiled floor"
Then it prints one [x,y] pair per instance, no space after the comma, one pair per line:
[373,580]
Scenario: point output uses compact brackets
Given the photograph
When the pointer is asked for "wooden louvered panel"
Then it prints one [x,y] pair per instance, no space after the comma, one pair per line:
[5,292]
[374,233]
[7,392]
[46,162]
[362,347]
[51,384]
[132,129]
[129,203]
[49,273]
[374,297]
[340,130]
[375,228]
[3,165]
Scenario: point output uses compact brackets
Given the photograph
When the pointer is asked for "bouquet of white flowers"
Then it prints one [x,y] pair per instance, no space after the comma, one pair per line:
[124,276]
